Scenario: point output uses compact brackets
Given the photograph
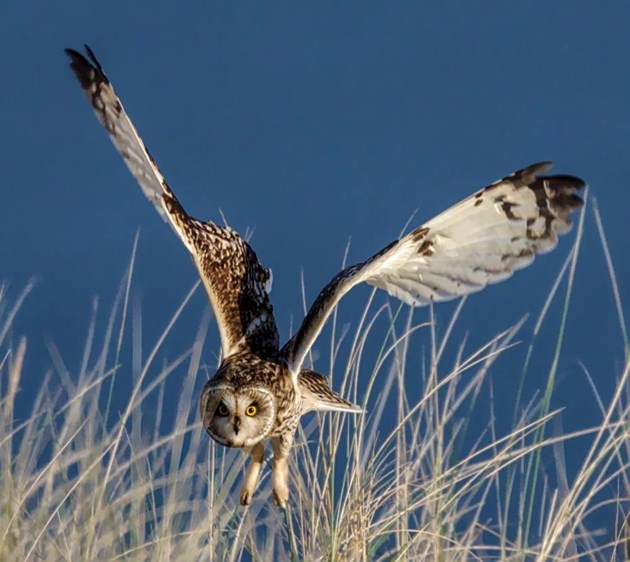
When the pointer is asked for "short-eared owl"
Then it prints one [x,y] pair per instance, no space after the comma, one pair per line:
[261,390]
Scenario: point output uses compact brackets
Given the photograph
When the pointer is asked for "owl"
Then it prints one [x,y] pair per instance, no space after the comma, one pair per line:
[260,389]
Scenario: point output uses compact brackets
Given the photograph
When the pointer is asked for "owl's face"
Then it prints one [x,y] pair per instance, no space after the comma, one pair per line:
[237,417]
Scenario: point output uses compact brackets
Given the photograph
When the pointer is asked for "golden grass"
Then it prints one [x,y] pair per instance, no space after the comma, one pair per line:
[91,474]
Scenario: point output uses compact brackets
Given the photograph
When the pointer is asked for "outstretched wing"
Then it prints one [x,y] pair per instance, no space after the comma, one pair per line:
[236,283]
[480,240]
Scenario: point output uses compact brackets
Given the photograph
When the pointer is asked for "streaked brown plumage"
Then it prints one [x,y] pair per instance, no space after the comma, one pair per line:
[260,391]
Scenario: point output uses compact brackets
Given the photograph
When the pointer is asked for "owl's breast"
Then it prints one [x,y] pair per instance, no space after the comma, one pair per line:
[289,411]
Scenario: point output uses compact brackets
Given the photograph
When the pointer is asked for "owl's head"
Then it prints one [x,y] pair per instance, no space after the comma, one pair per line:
[237,417]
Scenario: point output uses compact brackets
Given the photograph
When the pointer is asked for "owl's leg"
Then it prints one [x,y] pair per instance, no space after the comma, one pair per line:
[250,481]
[280,470]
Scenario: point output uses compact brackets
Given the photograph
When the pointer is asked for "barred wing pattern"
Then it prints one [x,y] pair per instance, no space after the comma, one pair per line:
[111,114]
[479,241]
[235,281]
[318,396]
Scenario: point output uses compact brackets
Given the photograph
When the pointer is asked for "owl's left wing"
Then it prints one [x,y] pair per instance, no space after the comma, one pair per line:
[480,240]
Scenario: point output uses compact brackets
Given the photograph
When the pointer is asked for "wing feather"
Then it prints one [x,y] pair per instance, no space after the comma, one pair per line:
[479,241]
[318,396]
[236,283]
[112,115]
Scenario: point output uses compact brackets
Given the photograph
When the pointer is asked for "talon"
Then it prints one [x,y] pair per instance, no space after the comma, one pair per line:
[247,494]
[281,498]
[282,503]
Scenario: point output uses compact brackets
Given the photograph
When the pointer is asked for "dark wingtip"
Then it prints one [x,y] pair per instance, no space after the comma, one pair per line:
[87,70]
[93,58]
[564,189]
[535,169]
[567,180]
[545,164]
[76,57]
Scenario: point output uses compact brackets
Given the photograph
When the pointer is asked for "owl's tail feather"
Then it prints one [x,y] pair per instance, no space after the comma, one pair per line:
[318,396]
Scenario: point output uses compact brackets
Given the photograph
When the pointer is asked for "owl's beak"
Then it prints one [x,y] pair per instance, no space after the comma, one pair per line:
[237,424]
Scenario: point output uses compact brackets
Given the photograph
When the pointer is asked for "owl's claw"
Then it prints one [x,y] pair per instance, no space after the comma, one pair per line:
[281,497]
[246,497]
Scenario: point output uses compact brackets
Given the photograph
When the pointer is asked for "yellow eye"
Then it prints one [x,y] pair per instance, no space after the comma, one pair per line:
[251,410]
[222,410]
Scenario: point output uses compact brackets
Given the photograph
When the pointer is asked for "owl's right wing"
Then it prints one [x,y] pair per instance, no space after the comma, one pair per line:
[480,240]
[235,281]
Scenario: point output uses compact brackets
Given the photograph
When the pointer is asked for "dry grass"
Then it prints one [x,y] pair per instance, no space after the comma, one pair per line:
[83,478]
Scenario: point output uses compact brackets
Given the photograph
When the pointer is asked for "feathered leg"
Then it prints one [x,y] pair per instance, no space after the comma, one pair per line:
[280,470]
[250,482]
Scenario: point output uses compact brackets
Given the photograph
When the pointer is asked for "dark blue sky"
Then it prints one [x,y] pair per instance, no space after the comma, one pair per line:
[312,123]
